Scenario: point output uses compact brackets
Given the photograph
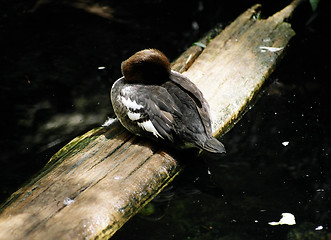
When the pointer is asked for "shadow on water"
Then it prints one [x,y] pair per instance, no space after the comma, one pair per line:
[58,63]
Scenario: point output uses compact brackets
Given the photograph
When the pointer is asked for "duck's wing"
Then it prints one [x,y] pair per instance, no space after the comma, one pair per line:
[153,109]
[192,90]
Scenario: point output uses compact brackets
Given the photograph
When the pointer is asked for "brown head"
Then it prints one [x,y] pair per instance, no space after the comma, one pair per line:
[149,66]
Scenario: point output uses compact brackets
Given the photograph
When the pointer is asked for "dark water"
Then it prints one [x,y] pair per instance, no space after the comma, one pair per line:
[52,89]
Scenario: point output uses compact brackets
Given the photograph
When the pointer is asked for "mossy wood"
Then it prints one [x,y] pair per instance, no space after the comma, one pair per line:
[99,180]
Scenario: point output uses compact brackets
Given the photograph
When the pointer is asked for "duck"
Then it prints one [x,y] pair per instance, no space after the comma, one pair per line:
[151,100]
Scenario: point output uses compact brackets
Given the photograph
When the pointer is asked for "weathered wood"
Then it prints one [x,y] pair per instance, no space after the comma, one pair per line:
[244,56]
[93,185]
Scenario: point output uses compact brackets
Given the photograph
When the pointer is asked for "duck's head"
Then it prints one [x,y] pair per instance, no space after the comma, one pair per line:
[149,66]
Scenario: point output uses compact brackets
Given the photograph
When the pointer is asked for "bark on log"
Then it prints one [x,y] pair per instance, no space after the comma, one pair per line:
[99,180]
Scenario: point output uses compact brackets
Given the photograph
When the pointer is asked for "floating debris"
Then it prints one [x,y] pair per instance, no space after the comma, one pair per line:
[287,218]
[319,228]
[285,143]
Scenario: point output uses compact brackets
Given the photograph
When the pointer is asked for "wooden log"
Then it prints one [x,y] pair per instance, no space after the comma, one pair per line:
[99,180]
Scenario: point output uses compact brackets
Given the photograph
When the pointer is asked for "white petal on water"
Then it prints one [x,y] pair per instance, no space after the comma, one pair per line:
[319,228]
[287,218]
[285,143]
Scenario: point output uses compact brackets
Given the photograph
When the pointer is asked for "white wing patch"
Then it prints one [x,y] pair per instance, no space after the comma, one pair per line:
[131,104]
[134,116]
[131,107]
[149,127]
